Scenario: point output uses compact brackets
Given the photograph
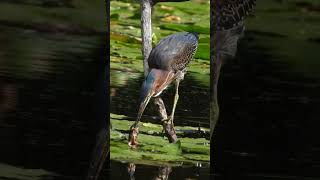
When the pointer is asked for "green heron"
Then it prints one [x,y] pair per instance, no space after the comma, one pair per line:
[167,63]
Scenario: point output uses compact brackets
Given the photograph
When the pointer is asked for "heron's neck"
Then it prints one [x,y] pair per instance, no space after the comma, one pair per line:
[164,78]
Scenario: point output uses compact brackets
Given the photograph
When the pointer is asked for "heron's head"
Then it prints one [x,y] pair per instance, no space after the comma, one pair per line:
[155,82]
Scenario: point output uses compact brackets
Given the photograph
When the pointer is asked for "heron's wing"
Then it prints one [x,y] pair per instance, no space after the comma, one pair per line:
[173,52]
[228,14]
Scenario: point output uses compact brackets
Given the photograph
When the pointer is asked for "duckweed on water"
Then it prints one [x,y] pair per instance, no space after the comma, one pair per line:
[155,149]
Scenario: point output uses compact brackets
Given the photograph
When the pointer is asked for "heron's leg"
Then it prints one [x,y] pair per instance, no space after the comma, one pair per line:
[178,76]
[176,98]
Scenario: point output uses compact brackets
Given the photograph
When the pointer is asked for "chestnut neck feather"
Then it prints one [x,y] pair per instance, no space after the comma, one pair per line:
[162,80]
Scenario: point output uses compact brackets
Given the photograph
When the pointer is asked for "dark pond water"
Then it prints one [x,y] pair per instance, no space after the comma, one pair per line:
[151,172]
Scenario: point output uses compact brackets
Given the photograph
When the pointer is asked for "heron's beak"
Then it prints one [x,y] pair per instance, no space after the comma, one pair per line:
[145,96]
[143,105]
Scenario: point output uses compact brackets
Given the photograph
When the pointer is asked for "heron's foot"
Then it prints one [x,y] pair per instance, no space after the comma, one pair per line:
[169,120]
[133,137]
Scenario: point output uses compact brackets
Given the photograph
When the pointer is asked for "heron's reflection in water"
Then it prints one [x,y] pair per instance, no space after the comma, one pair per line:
[131,170]
[163,172]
